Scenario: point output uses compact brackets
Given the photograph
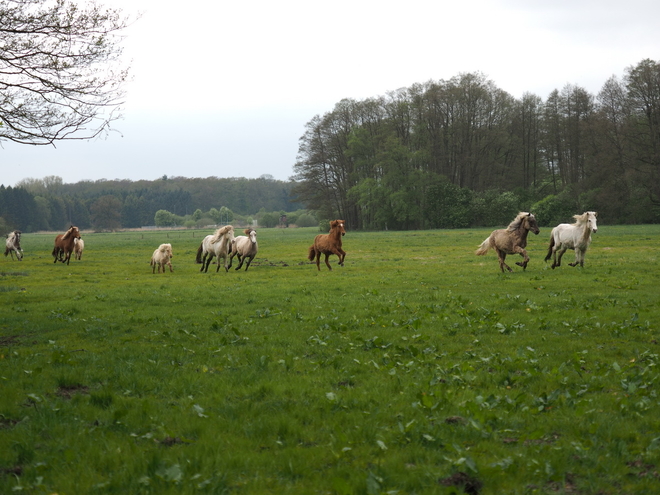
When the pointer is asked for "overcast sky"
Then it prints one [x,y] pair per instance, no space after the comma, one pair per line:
[225,88]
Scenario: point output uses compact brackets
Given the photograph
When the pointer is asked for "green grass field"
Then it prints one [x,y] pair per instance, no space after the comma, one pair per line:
[416,368]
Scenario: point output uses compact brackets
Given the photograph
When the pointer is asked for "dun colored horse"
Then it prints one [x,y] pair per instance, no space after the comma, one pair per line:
[511,240]
[328,244]
[245,247]
[13,245]
[78,247]
[64,244]
[575,236]
[218,244]
[161,258]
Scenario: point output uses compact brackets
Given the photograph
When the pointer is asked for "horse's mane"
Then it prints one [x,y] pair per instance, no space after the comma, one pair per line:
[580,219]
[220,232]
[248,230]
[69,232]
[515,225]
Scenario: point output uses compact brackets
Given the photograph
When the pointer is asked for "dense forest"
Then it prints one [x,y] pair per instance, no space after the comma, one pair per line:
[464,152]
[442,154]
[50,204]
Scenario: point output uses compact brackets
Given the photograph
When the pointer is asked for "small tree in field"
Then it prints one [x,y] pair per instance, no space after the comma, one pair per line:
[164,218]
[60,76]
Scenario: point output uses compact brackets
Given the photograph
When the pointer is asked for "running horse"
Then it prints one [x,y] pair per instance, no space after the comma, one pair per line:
[512,240]
[576,236]
[216,245]
[245,247]
[13,245]
[328,244]
[64,245]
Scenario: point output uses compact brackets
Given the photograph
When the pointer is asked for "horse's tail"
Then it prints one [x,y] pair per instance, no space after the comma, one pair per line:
[200,249]
[550,247]
[483,249]
[312,253]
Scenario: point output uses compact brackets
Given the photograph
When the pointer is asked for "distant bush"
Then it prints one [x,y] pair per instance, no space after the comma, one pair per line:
[307,220]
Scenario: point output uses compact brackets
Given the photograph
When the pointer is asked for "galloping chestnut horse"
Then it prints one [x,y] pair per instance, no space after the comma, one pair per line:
[64,245]
[328,244]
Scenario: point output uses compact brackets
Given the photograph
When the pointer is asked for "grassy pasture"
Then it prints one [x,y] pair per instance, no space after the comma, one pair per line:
[416,368]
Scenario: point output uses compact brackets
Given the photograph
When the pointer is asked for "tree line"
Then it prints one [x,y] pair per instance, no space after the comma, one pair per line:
[463,152]
[49,204]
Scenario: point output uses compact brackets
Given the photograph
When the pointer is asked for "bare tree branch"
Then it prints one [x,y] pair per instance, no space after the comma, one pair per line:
[61,73]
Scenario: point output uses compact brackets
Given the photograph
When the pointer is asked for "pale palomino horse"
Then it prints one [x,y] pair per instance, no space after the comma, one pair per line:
[328,244]
[245,247]
[216,245]
[78,247]
[512,240]
[13,245]
[576,236]
[161,258]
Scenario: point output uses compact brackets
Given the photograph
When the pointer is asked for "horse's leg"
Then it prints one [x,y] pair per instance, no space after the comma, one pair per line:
[224,262]
[241,258]
[502,257]
[247,265]
[525,260]
[559,255]
[169,263]
[208,261]
[342,255]
[327,255]
[579,258]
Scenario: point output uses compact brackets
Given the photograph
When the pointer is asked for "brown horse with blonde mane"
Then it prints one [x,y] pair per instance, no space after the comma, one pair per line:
[328,244]
[64,244]
[511,240]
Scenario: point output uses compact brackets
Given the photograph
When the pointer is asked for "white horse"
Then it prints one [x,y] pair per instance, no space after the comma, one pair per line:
[576,236]
[78,246]
[13,245]
[244,246]
[161,258]
[218,245]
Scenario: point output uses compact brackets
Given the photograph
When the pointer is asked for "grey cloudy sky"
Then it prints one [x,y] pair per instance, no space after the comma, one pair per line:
[225,88]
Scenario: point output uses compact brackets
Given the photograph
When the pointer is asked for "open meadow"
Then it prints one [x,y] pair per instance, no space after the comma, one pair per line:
[417,368]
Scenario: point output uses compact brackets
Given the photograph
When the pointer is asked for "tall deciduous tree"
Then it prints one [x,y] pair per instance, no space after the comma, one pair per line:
[61,75]
[643,85]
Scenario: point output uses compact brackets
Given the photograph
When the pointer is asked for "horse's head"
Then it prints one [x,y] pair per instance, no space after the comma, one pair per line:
[338,225]
[72,232]
[532,224]
[253,236]
[591,219]
[166,249]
